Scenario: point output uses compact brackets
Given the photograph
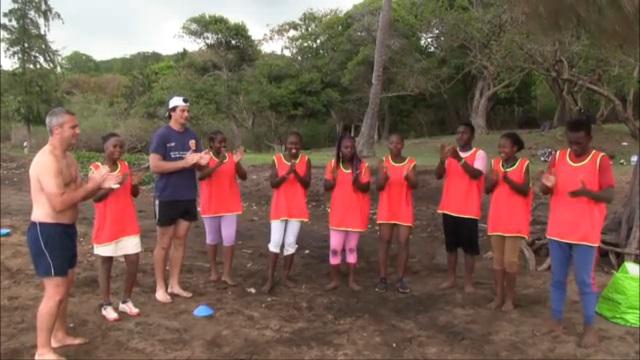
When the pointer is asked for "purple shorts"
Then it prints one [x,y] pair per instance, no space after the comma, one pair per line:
[220,229]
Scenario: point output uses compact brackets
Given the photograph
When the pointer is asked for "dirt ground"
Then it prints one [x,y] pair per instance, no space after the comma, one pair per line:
[304,322]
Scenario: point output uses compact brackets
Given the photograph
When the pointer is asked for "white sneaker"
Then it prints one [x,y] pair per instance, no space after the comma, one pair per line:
[109,313]
[129,308]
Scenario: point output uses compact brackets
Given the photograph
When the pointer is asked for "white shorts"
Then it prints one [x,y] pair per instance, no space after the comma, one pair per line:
[124,246]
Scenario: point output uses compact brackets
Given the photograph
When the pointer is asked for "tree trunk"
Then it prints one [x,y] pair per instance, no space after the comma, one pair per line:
[629,233]
[624,114]
[387,120]
[480,105]
[365,141]
[566,105]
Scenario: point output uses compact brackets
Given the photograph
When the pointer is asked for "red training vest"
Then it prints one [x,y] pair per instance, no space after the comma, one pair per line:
[115,217]
[349,209]
[289,201]
[509,212]
[220,192]
[461,195]
[576,220]
[395,204]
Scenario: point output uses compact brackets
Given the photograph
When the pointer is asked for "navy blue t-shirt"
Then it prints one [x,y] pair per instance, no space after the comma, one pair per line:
[174,145]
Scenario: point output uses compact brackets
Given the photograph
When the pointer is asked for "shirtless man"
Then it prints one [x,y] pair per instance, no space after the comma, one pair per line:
[56,191]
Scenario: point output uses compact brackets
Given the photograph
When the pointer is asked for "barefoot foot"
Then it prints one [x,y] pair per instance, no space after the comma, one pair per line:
[288,282]
[67,340]
[332,286]
[179,292]
[163,297]
[495,304]
[215,277]
[589,337]
[268,286]
[469,289]
[229,281]
[508,306]
[554,327]
[50,355]
[355,287]
[449,284]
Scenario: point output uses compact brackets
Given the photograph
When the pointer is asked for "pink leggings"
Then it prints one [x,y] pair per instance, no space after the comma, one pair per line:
[340,240]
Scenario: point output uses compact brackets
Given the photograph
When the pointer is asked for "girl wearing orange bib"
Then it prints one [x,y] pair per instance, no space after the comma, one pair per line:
[347,177]
[509,216]
[395,182]
[580,182]
[220,202]
[290,178]
[115,228]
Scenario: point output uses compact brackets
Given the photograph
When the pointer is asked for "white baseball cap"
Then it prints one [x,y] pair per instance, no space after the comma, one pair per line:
[178,101]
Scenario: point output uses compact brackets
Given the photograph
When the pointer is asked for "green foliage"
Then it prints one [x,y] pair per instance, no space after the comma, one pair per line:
[319,82]
[34,81]
[80,63]
[215,32]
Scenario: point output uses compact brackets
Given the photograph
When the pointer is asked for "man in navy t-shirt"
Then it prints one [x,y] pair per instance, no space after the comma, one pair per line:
[174,155]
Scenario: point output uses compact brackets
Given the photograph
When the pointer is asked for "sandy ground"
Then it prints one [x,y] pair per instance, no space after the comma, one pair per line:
[304,322]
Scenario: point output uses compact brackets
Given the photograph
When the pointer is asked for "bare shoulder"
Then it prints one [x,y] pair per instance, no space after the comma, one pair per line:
[43,161]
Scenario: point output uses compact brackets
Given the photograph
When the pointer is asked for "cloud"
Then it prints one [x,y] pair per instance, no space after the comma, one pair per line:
[107,29]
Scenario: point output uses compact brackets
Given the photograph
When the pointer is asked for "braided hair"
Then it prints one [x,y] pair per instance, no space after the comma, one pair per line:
[356,160]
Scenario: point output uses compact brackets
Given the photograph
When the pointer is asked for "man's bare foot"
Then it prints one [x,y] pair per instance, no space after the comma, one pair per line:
[268,286]
[288,282]
[163,297]
[50,355]
[67,340]
[508,306]
[554,327]
[468,288]
[589,337]
[353,286]
[229,281]
[449,284]
[215,277]
[179,292]
[495,304]
[332,286]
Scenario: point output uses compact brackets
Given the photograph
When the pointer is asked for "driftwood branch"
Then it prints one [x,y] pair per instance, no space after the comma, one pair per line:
[546,265]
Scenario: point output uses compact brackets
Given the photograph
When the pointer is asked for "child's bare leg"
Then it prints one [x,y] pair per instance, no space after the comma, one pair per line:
[273,260]
[104,277]
[212,250]
[352,280]
[228,262]
[132,262]
[386,231]
[469,265]
[498,283]
[404,233]
[335,281]
[452,263]
[288,265]
[510,291]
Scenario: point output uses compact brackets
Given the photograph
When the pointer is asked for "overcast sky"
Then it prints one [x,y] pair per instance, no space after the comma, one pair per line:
[114,28]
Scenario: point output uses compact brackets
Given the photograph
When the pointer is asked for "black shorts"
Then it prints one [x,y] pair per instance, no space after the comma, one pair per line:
[460,232]
[53,248]
[168,212]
